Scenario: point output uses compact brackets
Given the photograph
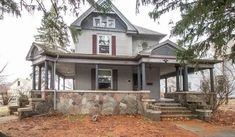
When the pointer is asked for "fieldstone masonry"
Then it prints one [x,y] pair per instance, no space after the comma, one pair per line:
[105,103]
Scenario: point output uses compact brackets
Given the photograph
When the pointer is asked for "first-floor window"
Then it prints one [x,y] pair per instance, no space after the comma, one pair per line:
[105,79]
[104,44]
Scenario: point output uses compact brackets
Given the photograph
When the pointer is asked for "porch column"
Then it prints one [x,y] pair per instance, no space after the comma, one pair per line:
[34,78]
[52,76]
[143,76]
[212,80]
[166,85]
[46,74]
[96,76]
[63,83]
[185,78]
[73,83]
[39,77]
[138,78]
[58,82]
[177,79]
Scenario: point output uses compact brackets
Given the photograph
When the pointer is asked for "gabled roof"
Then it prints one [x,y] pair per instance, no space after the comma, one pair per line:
[144,31]
[167,42]
[78,21]
[41,48]
[131,29]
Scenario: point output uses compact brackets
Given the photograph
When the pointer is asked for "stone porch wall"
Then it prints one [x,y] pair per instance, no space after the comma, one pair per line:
[95,102]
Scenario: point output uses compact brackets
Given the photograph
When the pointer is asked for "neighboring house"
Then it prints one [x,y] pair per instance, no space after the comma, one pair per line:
[20,85]
[113,54]
[17,87]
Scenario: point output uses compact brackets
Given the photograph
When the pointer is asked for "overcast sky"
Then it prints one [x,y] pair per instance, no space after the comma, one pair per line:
[17,34]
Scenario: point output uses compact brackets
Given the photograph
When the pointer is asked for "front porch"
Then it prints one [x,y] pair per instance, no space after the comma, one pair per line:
[107,78]
[116,77]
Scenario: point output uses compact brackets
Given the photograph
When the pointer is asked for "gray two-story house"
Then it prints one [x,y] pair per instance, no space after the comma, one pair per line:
[112,54]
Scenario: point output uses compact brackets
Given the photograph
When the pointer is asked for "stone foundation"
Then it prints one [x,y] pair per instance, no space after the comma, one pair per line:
[93,102]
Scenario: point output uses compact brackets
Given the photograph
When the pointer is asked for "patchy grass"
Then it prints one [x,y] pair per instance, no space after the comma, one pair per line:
[4,111]
[74,116]
[148,120]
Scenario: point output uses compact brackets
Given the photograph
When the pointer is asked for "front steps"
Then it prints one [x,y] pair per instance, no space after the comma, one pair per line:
[169,109]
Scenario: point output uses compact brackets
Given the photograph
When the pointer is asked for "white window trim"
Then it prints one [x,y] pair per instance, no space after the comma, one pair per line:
[111,77]
[110,47]
[114,22]
[94,18]
[107,20]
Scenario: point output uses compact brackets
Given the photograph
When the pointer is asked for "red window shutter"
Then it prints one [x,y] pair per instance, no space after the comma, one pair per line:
[114,45]
[94,44]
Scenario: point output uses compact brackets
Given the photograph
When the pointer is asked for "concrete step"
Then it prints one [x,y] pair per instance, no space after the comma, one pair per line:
[176,111]
[178,116]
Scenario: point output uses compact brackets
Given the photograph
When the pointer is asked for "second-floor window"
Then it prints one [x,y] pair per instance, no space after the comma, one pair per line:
[104,44]
[105,22]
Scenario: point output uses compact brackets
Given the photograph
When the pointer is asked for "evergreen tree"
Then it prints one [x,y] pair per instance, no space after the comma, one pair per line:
[204,24]
[53,31]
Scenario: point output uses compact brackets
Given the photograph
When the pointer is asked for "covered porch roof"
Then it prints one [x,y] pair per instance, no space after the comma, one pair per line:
[160,55]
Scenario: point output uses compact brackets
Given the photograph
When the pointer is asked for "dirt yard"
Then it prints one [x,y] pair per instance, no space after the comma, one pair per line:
[108,126]
[57,125]
[82,126]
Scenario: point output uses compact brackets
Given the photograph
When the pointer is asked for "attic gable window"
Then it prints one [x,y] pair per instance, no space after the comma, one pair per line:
[105,22]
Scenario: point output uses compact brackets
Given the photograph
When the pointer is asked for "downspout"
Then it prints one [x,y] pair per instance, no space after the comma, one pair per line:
[57,57]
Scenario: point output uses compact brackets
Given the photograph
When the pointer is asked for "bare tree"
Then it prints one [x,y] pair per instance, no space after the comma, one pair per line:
[224,85]
[5,97]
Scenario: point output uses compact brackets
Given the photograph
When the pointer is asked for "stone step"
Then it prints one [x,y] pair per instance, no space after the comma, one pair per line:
[153,114]
[161,100]
[178,116]
[172,108]
[167,104]
[25,109]
[16,113]
[176,111]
